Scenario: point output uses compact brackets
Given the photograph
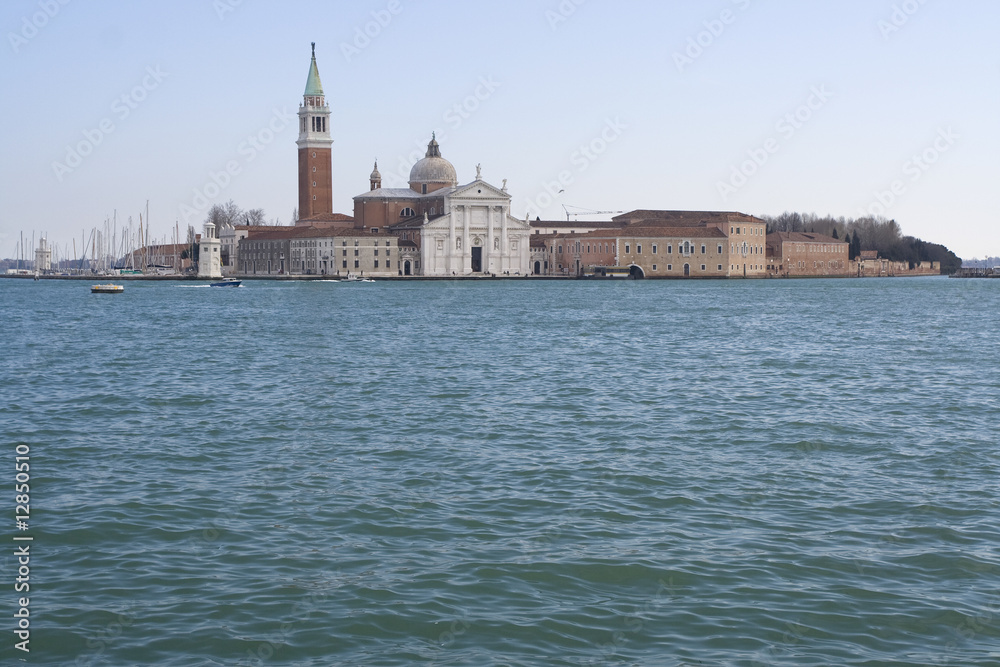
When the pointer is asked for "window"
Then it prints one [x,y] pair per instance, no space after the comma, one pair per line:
[407,213]
[423,189]
[314,183]
[702,267]
[654,251]
[374,230]
[376,252]
[704,250]
[560,250]
[627,251]
[670,267]
[314,170]
[720,249]
[670,250]
[654,267]
[720,267]
[355,252]
[357,264]
[638,249]
[345,263]
[345,253]
[376,263]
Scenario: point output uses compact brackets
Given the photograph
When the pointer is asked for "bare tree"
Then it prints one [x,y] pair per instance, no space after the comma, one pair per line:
[255,217]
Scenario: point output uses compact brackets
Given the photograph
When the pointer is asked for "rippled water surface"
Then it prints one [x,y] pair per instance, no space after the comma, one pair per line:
[508,473]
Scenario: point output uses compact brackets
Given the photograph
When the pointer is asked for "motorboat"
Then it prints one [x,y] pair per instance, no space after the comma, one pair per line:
[107,288]
[228,282]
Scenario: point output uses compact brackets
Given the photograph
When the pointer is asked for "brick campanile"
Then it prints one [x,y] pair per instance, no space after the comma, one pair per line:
[315,148]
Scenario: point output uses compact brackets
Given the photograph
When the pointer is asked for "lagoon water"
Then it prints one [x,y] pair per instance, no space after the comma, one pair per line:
[507,473]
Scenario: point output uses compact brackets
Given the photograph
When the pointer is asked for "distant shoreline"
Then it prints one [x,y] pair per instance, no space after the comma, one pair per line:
[136,278]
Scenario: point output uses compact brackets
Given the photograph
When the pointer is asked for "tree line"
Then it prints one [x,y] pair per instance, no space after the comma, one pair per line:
[866,234]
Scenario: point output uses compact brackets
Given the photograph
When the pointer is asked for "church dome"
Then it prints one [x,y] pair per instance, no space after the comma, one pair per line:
[433,170]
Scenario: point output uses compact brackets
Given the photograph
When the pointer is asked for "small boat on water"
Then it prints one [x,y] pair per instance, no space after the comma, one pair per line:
[352,278]
[107,288]
[228,282]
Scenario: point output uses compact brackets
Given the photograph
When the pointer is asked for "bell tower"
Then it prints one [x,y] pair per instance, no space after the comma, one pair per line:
[315,148]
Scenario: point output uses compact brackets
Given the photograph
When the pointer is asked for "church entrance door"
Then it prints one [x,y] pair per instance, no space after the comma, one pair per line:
[406,268]
[477,260]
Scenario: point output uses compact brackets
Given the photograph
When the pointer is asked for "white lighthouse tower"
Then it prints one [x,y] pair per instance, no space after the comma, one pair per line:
[209,254]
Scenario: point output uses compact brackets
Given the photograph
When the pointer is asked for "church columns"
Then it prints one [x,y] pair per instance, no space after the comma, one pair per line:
[504,244]
[466,241]
[488,258]
[450,252]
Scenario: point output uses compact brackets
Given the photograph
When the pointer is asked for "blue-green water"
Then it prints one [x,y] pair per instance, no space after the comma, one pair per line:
[510,473]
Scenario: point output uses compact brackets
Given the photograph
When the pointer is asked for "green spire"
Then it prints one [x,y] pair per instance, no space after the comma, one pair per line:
[314,87]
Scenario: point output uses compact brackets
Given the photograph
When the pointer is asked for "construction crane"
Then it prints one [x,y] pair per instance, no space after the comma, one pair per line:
[586,211]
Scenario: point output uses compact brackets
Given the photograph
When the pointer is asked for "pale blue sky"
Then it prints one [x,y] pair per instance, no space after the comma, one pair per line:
[663,135]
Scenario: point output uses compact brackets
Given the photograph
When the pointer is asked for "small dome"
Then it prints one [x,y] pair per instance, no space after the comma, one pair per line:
[433,168]
[375,175]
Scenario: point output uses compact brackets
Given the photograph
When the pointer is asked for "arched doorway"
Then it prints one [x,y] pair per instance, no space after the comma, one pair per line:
[406,268]
[538,268]
[636,272]
[687,270]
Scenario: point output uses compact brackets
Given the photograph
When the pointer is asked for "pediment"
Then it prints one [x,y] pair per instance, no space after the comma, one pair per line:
[479,190]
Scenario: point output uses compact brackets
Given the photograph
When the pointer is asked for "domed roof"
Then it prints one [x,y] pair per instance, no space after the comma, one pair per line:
[433,168]
[376,176]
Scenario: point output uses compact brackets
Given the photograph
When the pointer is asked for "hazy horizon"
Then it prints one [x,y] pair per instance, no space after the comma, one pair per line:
[884,107]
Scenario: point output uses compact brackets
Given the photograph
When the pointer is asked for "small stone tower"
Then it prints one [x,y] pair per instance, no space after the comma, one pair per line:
[376,178]
[209,254]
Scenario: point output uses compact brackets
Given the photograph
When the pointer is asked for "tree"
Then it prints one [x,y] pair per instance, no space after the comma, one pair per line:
[834,234]
[855,250]
[256,218]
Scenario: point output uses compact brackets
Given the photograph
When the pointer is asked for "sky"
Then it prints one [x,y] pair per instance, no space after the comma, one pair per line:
[846,107]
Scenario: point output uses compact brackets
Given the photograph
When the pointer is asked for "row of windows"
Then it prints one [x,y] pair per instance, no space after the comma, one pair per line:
[813,247]
[685,249]
[330,244]
[752,231]
[580,248]
[704,267]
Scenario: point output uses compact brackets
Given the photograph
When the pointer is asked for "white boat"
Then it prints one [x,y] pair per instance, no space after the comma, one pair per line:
[107,288]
